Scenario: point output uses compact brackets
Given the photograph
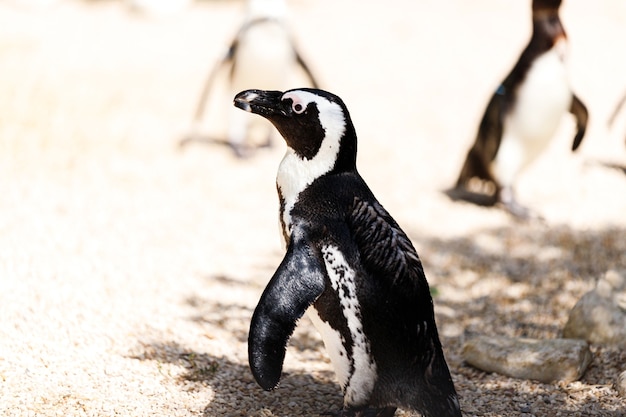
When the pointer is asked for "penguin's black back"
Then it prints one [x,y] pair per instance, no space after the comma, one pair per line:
[393,294]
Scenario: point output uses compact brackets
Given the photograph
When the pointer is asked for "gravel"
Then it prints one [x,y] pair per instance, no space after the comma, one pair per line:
[129,268]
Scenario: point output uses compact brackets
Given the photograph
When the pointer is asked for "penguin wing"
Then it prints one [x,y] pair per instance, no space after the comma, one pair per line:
[385,249]
[300,61]
[296,284]
[617,109]
[227,59]
[579,111]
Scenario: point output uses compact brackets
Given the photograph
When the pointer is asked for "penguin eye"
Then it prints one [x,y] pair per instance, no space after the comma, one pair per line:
[298,108]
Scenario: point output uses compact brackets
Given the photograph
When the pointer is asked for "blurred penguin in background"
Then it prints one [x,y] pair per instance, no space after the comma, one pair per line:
[522,117]
[262,55]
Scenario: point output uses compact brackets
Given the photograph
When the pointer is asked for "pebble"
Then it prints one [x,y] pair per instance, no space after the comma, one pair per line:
[600,315]
[542,360]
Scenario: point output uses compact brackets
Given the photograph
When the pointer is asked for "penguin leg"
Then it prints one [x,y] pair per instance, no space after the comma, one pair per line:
[474,167]
[362,412]
[477,167]
[476,183]
[507,198]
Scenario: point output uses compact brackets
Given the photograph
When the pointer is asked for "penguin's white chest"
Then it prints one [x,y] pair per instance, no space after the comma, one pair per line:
[542,99]
[296,174]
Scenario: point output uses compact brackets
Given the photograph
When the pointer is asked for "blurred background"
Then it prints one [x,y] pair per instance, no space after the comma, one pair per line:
[101,80]
[111,235]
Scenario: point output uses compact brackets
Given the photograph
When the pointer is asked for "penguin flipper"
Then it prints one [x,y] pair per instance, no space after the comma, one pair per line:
[300,61]
[296,284]
[579,111]
[227,59]
[616,110]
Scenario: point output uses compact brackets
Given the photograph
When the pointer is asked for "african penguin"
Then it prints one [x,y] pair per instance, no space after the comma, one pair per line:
[262,54]
[522,116]
[350,265]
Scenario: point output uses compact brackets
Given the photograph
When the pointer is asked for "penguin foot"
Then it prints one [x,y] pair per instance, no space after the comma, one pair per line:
[241,151]
[477,198]
[510,203]
[199,138]
[362,412]
[615,166]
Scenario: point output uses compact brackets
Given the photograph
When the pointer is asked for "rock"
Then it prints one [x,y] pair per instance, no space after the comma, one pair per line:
[620,384]
[541,360]
[600,315]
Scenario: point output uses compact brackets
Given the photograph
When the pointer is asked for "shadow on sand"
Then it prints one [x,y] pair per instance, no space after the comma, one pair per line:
[543,260]
[236,392]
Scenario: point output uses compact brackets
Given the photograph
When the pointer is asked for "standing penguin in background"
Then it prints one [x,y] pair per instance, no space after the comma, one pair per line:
[523,115]
[351,263]
[262,54]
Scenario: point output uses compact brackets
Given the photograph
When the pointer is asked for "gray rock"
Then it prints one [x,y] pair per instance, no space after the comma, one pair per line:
[541,360]
[600,315]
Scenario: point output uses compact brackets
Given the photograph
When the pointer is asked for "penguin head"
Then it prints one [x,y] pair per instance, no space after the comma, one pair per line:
[547,27]
[314,123]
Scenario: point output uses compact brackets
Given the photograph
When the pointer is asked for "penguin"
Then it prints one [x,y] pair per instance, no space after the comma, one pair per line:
[349,265]
[522,116]
[262,54]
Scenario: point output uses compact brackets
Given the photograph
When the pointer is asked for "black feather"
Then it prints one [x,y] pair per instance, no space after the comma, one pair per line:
[296,284]
[385,248]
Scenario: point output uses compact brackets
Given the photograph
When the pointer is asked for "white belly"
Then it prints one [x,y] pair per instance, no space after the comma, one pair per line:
[334,344]
[542,99]
[356,375]
[264,58]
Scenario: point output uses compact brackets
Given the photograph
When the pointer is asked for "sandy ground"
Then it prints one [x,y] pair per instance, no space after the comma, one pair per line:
[129,268]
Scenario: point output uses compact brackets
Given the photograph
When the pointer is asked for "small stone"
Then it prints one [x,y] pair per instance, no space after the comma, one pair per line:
[600,315]
[541,360]
[620,384]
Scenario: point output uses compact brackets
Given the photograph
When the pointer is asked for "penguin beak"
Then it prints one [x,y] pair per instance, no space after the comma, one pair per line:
[261,102]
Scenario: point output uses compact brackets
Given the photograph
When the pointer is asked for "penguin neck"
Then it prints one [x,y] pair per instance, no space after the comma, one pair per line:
[548,35]
[547,30]
[296,173]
